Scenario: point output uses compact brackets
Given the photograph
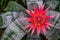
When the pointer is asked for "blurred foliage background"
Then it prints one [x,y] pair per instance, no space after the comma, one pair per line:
[4,3]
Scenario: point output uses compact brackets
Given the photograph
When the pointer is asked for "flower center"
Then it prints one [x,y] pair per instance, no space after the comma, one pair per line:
[39,20]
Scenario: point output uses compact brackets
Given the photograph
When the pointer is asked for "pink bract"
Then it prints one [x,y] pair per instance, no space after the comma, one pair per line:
[38,20]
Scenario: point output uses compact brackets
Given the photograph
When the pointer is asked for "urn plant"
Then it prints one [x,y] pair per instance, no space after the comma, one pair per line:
[27,23]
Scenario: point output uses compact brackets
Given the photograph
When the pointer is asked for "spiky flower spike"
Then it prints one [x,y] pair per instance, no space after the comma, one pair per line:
[38,20]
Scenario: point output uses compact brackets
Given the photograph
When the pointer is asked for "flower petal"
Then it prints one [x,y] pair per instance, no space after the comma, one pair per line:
[30,13]
[32,31]
[29,19]
[49,24]
[43,29]
[27,26]
[48,27]
[38,30]
[48,17]
[35,9]
[42,7]
[45,11]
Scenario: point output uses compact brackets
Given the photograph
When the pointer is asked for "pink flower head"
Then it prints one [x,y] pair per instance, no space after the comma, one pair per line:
[38,20]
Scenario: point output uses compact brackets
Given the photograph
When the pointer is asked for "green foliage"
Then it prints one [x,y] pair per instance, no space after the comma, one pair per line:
[11,33]
[2,3]
[6,38]
[58,8]
[13,6]
[24,1]
[53,4]
[25,37]
[1,22]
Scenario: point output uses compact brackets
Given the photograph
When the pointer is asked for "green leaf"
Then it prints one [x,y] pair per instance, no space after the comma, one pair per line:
[25,37]
[24,1]
[3,3]
[1,22]
[13,6]
[58,8]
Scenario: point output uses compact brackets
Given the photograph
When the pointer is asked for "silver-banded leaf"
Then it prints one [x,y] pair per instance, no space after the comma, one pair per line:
[15,30]
[14,10]
[55,20]
[8,18]
[32,3]
[51,3]
[9,33]
[54,32]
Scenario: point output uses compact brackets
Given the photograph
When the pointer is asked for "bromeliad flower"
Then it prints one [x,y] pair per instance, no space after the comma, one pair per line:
[38,20]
